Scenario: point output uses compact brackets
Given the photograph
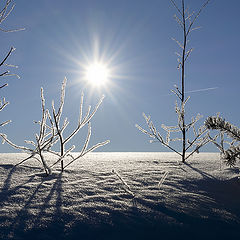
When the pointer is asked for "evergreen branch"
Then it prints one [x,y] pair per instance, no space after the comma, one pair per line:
[218,123]
[233,152]
[230,156]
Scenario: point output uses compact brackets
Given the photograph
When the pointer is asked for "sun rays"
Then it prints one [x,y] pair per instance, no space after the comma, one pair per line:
[97,74]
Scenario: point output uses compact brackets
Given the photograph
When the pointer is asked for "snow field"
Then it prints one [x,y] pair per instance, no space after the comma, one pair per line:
[89,200]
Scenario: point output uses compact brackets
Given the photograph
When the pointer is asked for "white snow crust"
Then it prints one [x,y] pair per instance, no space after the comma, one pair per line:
[196,200]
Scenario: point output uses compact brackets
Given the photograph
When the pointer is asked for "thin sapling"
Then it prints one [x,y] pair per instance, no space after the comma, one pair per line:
[186,20]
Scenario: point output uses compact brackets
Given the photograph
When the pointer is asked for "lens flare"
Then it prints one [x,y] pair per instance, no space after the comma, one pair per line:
[97,74]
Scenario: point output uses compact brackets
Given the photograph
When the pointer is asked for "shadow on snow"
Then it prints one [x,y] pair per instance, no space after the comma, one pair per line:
[143,219]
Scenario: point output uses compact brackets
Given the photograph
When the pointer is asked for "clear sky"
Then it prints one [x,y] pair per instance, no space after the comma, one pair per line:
[134,38]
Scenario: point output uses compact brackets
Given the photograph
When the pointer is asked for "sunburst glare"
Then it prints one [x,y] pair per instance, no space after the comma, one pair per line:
[97,74]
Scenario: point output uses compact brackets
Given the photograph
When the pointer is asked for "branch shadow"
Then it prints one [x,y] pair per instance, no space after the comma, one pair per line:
[146,219]
[202,173]
[7,191]
[213,189]
[27,223]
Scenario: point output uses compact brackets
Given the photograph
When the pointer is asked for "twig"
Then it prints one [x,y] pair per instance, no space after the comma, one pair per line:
[127,189]
[163,179]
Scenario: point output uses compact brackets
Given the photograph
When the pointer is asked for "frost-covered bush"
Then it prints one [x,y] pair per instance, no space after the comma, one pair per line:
[232,153]
[51,131]
[58,129]
[186,20]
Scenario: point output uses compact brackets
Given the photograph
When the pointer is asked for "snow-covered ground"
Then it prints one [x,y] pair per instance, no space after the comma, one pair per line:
[197,200]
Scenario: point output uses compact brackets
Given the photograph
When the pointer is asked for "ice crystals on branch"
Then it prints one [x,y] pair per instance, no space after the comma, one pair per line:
[82,121]
[3,63]
[4,13]
[199,139]
[43,140]
[3,104]
[51,132]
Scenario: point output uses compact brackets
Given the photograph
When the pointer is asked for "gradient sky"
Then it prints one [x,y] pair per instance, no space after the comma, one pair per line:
[134,38]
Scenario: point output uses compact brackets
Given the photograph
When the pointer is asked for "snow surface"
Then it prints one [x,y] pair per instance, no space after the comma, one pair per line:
[197,200]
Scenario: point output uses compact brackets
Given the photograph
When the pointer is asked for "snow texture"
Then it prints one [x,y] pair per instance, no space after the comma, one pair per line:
[120,196]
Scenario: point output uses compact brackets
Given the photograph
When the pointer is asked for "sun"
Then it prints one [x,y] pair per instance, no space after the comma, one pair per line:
[97,74]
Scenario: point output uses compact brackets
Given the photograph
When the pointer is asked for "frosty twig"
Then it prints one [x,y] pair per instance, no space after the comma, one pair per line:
[4,13]
[163,179]
[127,189]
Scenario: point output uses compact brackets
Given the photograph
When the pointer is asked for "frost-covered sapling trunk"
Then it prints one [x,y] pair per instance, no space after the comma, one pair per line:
[55,120]
[232,153]
[186,20]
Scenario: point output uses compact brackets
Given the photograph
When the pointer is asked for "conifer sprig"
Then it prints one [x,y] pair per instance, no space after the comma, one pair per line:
[218,123]
[233,152]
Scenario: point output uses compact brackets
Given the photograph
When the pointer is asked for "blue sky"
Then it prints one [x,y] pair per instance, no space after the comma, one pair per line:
[134,37]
